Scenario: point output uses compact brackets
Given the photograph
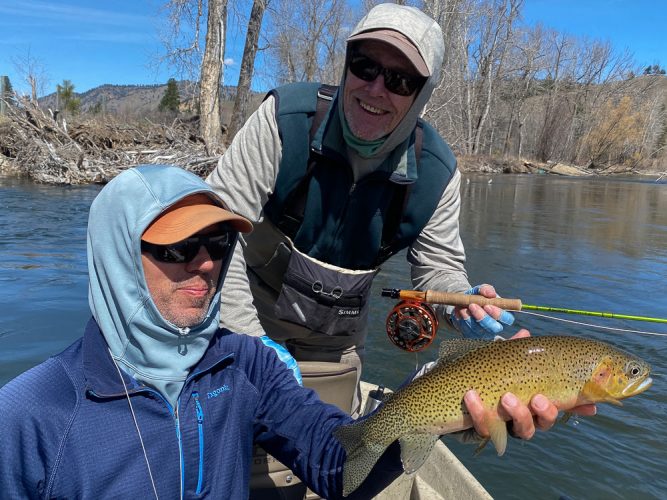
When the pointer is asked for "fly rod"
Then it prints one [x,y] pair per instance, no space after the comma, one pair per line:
[463,300]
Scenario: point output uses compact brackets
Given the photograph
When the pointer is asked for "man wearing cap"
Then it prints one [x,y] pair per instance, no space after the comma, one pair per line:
[333,200]
[155,400]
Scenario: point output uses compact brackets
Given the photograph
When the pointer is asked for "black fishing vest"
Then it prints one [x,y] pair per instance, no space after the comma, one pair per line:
[330,217]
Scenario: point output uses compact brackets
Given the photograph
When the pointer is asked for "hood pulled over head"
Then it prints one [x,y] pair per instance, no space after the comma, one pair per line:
[420,39]
[146,345]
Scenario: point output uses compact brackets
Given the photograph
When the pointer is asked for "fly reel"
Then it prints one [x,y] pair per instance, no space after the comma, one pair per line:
[411,325]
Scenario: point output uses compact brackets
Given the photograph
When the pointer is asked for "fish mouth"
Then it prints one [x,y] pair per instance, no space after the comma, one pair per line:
[637,388]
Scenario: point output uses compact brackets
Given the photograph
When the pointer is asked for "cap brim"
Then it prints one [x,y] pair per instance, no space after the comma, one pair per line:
[190,216]
[400,42]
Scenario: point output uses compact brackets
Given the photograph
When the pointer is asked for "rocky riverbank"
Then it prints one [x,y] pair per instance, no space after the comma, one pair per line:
[498,165]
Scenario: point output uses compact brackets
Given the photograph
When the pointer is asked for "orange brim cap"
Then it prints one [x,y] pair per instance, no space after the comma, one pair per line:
[189,216]
[398,40]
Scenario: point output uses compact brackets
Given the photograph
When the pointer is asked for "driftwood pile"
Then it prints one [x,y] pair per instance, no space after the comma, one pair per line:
[50,149]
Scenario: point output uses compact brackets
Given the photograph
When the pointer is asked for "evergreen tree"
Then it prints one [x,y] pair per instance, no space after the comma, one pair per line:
[7,90]
[170,100]
[654,70]
[66,97]
[6,93]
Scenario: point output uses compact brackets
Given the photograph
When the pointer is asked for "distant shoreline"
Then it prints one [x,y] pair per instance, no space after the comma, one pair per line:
[502,165]
[468,165]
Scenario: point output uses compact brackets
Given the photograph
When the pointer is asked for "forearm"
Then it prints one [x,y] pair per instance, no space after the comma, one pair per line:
[437,257]
[319,459]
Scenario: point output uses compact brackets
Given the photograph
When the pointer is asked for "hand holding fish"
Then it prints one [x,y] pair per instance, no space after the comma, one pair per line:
[540,413]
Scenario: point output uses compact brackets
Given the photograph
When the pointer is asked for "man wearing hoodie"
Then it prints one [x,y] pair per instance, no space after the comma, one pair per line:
[155,400]
[333,200]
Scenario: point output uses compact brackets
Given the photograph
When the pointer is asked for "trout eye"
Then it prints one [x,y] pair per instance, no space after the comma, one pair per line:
[634,369]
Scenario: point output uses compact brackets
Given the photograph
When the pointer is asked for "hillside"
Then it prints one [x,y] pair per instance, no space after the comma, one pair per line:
[133,100]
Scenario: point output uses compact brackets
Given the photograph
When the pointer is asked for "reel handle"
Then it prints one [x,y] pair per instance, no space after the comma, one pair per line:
[452,299]
[463,300]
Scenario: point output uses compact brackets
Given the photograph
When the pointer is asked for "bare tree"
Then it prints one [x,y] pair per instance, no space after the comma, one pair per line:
[211,76]
[182,37]
[524,66]
[599,80]
[184,52]
[556,110]
[33,72]
[306,40]
[494,44]
[478,36]
[442,109]
[240,111]
[616,136]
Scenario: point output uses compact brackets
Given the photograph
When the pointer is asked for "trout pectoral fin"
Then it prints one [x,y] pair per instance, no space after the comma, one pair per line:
[415,449]
[498,434]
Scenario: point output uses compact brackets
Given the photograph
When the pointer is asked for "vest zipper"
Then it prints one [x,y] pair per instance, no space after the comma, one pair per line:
[200,427]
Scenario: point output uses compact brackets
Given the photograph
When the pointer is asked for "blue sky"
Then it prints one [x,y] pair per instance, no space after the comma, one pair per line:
[637,25]
[92,43]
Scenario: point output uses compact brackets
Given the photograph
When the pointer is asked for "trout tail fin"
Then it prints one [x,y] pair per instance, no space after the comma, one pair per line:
[361,455]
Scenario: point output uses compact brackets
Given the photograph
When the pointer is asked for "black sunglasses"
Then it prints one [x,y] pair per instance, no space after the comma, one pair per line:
[397,82]
[217,245]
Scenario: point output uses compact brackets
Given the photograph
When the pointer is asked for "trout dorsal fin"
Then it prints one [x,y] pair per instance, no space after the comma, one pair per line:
[453,349]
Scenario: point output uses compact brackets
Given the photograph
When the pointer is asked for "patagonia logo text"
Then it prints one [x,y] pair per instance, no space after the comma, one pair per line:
[215,393]
[348,312]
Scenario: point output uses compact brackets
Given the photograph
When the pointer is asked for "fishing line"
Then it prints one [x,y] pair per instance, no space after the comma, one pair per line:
[136,424]
[592,325]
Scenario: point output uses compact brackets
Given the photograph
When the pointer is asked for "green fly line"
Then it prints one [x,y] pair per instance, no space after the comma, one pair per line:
[611,328]
[598,314]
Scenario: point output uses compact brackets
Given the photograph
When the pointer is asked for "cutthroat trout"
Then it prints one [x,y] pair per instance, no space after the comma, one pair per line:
[570,371]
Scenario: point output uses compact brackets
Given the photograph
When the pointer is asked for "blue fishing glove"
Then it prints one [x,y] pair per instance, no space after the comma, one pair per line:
[487,329]
[284,356]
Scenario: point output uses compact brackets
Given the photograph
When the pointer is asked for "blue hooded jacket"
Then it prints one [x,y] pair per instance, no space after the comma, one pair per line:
[141,341]
[68,428]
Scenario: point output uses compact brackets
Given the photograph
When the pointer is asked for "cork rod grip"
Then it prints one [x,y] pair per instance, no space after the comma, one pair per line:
[461,299]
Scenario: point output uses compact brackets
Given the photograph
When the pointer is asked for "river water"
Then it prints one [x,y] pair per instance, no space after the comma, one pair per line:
[594,244]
